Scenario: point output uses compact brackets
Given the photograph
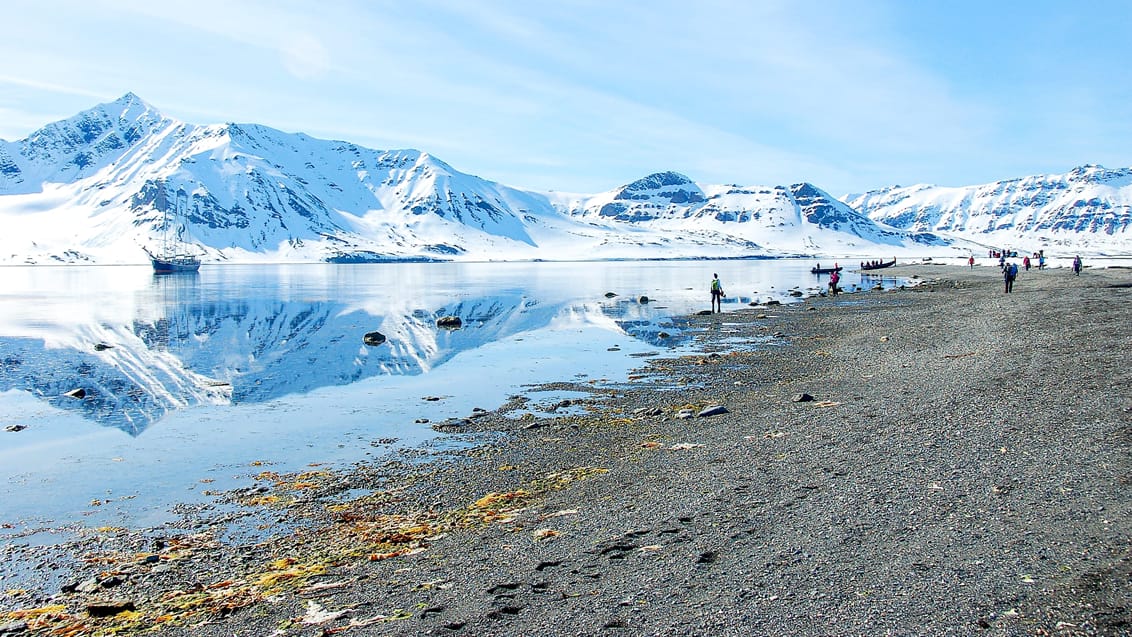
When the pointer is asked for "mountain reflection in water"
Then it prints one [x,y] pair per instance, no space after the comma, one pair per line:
[241,367]
[186,340]
[123,348]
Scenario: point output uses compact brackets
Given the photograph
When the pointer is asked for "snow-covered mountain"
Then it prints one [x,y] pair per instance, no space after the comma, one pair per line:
[800,218]
[101,181]
[97,187]
[1088,209]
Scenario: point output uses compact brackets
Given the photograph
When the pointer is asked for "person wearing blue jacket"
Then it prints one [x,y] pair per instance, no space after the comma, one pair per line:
[1009,273]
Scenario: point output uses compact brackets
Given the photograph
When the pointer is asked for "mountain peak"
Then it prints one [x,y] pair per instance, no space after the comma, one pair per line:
[824,210]
[1097,174]
[806,189]
[658,180]
[129,107]
[80,145]
[130,98]
[671,186]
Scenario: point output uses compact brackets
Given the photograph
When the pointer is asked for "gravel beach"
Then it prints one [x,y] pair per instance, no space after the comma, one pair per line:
[945,459]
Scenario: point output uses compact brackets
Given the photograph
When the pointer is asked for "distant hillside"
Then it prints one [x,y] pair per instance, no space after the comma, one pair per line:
[1088,209]
[800,218]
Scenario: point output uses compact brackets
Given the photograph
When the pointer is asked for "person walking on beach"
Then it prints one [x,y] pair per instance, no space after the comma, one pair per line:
[1026,262]
[1077,265]
[971,262]
[1009,273]
[716,294]
[834,278]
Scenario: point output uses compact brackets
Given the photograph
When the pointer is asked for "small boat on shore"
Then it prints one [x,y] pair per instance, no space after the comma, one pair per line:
[877,265]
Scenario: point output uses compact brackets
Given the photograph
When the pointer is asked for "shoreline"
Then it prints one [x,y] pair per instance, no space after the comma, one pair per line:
[1058,260]
[962,469]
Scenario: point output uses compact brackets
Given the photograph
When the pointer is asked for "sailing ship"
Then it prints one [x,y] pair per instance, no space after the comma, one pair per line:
[175,255]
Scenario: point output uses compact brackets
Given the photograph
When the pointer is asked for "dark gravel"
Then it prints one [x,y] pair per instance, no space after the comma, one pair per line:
[963,469]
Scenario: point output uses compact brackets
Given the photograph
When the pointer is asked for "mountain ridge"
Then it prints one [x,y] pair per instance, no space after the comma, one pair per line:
[93,188]
[1087,208]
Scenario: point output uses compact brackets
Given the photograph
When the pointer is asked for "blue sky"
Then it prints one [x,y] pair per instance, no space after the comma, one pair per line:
[584,96]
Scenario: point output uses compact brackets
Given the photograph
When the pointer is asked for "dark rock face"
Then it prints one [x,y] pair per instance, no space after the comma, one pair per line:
[824,211]
[451,322]
[655,181]
[642,199]
[373,339]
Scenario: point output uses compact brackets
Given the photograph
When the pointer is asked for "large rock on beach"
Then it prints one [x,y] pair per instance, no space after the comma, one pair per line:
[109,608]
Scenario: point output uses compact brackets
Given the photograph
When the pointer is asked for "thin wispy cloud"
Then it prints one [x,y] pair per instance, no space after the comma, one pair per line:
[849,96]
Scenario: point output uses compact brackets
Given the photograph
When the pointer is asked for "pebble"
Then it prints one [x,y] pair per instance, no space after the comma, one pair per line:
[13,628]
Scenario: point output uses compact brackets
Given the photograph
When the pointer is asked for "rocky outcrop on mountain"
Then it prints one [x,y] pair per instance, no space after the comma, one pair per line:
[822,210]
[652,197]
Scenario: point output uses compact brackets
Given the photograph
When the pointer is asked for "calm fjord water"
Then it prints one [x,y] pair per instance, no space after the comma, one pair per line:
[187,380]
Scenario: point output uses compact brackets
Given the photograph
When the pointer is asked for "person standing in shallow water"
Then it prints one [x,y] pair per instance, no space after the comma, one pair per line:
[716,294]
